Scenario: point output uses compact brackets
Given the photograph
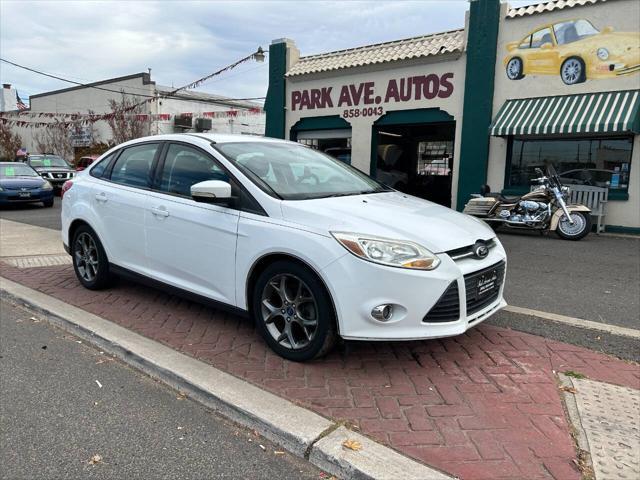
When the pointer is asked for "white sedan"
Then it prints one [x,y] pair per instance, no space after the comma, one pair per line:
[309,247]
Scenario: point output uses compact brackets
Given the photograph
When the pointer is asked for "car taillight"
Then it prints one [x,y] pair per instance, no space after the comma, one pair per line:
[66,186]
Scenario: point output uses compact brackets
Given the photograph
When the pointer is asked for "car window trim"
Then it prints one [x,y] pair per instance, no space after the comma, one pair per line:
[155,187]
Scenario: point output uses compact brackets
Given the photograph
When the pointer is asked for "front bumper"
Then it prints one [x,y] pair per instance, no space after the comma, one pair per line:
[10,197]
[357,286]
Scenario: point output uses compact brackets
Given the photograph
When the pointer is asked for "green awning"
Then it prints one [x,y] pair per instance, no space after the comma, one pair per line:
[603,112]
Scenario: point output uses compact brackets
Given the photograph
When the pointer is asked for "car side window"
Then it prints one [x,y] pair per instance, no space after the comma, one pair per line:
[133,166]
[98,170]
[526,43]
[541,37]
[185,166]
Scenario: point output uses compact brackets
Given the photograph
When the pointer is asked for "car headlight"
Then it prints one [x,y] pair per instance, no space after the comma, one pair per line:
[602,53]
[393,253]
[47,186]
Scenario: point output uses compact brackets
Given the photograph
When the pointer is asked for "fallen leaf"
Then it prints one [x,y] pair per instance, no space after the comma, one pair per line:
[352,445]
[568,389]
[181,396]
[95,459]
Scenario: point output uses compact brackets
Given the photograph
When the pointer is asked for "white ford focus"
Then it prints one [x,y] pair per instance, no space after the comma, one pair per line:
[311,248]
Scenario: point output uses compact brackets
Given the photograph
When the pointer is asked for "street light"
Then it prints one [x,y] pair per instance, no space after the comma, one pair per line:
[259,55]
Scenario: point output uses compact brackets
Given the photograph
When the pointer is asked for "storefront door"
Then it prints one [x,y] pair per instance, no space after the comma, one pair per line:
[416,159]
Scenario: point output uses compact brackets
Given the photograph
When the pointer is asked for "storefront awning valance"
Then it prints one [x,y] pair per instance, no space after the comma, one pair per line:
[602,112]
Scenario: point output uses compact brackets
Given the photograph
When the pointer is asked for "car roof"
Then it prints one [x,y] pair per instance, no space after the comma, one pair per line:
[211,137]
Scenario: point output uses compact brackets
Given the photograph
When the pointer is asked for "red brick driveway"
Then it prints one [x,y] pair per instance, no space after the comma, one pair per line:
[484,405]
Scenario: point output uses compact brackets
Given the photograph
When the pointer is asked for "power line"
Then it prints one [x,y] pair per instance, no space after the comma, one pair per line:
[165,95]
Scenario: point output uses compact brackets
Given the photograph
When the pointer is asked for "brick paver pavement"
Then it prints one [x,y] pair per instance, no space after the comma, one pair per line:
[484,405]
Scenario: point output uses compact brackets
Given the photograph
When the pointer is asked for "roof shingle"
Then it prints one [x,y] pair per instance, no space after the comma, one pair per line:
[548,7]
[416,47]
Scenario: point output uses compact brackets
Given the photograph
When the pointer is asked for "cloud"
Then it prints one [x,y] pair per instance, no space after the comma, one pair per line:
[184,40]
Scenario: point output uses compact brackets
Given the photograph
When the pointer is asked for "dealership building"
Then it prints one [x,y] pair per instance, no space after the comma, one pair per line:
[516,89]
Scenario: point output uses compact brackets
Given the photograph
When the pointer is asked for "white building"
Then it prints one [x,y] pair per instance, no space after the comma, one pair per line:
[165,114]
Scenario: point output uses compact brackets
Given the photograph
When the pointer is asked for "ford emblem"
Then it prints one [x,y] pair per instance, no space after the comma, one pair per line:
[480,250]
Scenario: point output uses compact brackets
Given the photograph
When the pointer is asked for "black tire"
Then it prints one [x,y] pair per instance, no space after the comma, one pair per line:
[101,277]
[573,71]
[323,335]
[48,203]
[514,69]
[495,225]
[586,218]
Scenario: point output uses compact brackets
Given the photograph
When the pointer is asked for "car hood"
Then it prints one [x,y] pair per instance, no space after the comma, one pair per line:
[21,182]
[618,42]
[393,215]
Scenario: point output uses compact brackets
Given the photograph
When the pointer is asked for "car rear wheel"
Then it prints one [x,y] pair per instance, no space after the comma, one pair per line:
[293,311]
[89,259]
[514,69]
[572,71]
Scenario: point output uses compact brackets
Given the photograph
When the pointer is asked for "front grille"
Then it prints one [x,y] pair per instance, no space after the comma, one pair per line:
[477,301]
[463,252]
[447,308]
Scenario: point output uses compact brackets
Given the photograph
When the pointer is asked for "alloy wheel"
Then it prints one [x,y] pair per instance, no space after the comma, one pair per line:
[575,229]
[514,69]
[289,311]
[571,71]
[86,256]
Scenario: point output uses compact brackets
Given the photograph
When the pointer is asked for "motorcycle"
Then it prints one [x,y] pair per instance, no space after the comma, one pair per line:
[544,209]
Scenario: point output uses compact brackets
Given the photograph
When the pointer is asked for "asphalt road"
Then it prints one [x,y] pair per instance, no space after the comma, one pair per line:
[34,214]
[597,278]
[62,403]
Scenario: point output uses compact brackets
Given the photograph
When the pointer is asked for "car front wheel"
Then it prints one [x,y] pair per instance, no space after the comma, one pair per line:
[293,311]
[89,259]
[572,71]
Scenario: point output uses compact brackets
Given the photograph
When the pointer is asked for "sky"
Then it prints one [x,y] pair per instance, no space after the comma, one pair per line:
[181,41]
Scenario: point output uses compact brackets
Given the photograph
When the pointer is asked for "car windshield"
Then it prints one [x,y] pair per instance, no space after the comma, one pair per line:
[568,32]
[47,161]
[17,170]
[296,172]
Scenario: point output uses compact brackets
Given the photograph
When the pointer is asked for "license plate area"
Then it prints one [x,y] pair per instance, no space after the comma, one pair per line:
[487,283]
[24,194]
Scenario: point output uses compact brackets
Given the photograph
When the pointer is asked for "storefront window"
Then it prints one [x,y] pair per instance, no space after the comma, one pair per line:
[600,162]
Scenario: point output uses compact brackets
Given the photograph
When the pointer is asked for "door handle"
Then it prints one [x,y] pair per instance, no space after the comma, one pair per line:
[160,212]
[101,197]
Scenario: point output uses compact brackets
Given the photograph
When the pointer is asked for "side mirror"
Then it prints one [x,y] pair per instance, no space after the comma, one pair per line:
[212,191]
[607,29]
[546,46]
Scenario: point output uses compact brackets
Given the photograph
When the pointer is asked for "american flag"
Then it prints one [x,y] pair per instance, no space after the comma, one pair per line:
[21,104]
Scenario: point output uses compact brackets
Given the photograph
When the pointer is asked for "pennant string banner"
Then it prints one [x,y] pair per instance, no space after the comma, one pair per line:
[88,119]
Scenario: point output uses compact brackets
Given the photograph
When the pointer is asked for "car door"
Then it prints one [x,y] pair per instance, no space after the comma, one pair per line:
[191,245]
[120,200]
[542,56]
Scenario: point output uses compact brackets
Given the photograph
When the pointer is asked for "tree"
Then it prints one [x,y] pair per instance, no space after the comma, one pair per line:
[127,122]
[10,142]
[55,139]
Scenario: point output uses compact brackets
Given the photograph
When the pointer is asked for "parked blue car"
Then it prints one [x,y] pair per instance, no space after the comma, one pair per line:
[19,183]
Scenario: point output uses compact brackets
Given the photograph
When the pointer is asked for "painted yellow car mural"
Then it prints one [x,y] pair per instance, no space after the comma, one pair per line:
[575,50]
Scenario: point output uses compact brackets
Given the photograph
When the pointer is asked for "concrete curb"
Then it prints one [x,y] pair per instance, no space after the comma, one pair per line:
[575,420]
[296,429]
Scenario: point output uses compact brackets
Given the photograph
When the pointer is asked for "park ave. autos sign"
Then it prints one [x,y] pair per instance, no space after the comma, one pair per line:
[369,94]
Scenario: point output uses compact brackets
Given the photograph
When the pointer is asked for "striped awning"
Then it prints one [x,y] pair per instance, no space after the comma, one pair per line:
[603,112]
